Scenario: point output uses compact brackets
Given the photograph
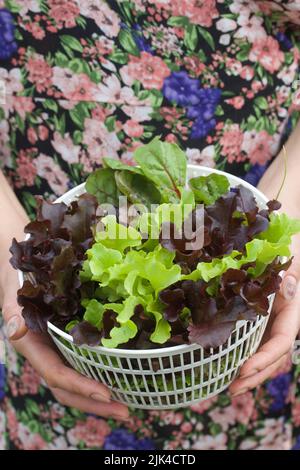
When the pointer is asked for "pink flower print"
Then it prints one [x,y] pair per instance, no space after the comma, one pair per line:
[107,20]
[64,13]
[271,434]
[225,417]
[194,65]
[243,7]
[201,12]
[225,25]
[233,67]
[206,442]
[57,411]
[99,141]
[160,3]
[148,69]
[28,5]
[51,171]
[12,421]
[247,72]
[92,432]
[267,53]
[36,30]
[110,91]
[39,72]
[75,87]
[23,105]
[203,406]
[32,135]
[258,146]
[43,132]
[66,147]
[28,440]
[250,28]
[231,143]
[248,444]
[237,102]
[26,171]
[5,154]
[59,443]
[205,158]
[133,128]
[295,106]
[100,113]
[80,88]
[104,45]
[86,162]
[138,113]
[243,407]
[61,78]
[12,80]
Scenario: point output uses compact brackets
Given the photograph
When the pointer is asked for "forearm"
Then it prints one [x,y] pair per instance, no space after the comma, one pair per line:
[13,220]
[272,179]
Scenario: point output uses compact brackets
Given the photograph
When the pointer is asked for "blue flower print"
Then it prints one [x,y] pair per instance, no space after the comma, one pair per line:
[181,89]
[8,45]
[121,439]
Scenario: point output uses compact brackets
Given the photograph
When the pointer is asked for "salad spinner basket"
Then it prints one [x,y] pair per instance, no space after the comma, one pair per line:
[171,377]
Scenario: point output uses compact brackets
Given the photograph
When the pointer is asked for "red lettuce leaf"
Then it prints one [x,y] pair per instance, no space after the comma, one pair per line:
[54,254]
[85,333]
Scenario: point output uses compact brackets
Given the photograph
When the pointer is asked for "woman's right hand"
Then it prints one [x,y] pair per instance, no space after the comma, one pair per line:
[68,386]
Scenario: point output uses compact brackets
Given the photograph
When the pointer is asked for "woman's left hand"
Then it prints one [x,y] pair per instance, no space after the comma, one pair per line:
[282,330]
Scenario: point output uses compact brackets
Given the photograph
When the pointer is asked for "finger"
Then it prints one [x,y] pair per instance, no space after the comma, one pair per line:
[242,385]
[281,334]
[87,405]
[290,278]
[269,353]
[288,287]
[43,357]
[12,312]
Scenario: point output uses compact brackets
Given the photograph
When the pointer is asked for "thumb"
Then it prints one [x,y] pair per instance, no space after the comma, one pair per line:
[291,277]
[12,312]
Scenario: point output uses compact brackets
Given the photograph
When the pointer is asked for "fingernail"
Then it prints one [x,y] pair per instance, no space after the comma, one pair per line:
[240,392]
[248,374]
[12,326]
[289,287]
[120,417]
[99,397]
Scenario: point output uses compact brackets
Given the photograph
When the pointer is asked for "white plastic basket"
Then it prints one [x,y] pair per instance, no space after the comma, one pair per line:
[172,377]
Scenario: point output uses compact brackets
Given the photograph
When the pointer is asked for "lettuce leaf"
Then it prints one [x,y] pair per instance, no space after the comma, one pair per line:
[165,164]
[207,189]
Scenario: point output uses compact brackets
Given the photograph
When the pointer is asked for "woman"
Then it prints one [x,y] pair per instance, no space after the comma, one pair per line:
[86,79]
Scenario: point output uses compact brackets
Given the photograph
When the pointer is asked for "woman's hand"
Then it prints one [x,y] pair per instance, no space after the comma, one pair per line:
[281,332]
[68,387]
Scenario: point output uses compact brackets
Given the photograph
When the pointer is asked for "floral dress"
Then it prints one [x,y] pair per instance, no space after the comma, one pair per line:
[85,79]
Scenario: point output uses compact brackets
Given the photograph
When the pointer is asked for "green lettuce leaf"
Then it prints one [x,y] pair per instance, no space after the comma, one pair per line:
[207,189]
[94,313]
[127,329]
[115,164]
[117,236]
[137,188]
[165,164]
[102,184]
